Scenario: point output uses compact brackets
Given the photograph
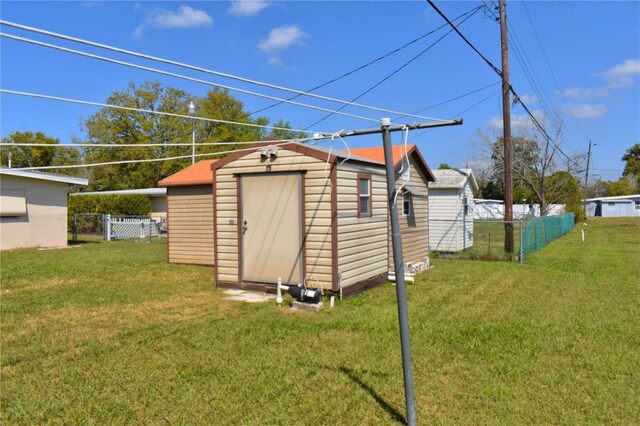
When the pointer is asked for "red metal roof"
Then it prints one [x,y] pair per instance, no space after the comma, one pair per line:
[377,153]
[196,174]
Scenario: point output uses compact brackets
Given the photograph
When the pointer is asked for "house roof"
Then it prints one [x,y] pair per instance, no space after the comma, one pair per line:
[453,179]
[71,180]
[196,174]
[631,197]
[377,154]
[143,191]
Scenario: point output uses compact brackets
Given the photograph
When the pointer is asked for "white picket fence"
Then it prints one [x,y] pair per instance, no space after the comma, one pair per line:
[124,227]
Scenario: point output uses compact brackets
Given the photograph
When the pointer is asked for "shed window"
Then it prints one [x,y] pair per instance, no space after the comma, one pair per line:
[13,203]
[364,196]
[406,204]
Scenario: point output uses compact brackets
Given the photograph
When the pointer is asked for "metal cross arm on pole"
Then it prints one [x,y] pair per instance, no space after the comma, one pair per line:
[395,128]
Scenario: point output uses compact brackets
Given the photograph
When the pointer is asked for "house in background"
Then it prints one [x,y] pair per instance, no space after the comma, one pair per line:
[617,206]
[190,214]
[301,213]
[157,196]
[451,210]
[33,208]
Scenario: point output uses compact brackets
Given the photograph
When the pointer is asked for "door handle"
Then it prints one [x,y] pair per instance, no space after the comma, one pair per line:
[244,227]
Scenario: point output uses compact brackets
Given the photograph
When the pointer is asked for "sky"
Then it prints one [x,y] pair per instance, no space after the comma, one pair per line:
[576,65]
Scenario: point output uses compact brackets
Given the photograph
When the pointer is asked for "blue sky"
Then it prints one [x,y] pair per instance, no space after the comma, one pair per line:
[578,61]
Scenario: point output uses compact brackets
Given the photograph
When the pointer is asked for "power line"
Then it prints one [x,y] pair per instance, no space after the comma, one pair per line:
[208,71]
[196,80]
[386,55]
[497,71]
[151,160]
[397,70]
[138,145]
[170,114]
[488,62]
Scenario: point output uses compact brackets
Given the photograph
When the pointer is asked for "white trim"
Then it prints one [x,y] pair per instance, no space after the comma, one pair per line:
[44,176]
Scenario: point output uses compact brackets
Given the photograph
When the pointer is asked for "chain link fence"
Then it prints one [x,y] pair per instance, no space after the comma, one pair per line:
[484,239]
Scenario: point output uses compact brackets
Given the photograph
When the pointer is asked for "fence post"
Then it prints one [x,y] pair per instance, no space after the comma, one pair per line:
[521,244]
[108,227]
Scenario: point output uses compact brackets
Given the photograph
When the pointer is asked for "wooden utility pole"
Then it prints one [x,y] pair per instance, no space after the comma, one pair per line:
[586,182]
[506,125]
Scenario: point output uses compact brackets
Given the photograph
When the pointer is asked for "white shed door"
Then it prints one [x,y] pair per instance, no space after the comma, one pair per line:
[271,227]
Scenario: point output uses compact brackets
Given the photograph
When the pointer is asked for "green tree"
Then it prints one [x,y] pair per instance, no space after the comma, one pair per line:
[632,166]
[564,189]
[286,134]
[124,127]
[622,186]
[444,166]
[38,156]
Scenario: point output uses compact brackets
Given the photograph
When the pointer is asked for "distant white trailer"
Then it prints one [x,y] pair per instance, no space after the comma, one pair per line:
[451,209]
[617,206]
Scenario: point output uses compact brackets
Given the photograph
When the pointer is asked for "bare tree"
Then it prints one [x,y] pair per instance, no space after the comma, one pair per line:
[536,157]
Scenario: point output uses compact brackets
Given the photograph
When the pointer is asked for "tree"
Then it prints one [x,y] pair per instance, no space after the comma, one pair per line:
[444,166]
[622,186]
[535,160]
[124,127]
[286,134]
[632,167]
[38,156]
[564,189]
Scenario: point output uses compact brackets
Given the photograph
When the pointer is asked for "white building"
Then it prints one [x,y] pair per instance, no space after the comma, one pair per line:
[618,206]
[33,208]
[451,210]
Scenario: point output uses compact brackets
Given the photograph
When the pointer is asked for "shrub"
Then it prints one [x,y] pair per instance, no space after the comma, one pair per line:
[116,204]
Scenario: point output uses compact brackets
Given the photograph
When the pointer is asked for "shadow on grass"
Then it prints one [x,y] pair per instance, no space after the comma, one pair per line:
[77,243]
[354,377]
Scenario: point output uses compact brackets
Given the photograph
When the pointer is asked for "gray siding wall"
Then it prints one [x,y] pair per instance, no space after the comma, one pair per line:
[190,224]
[317,226]
[415,227]
[362,241]
[450,230]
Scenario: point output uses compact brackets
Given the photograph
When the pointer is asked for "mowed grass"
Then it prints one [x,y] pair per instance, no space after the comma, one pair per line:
[111,333]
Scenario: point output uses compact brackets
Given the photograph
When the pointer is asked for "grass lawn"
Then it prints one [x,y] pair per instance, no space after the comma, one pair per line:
[111,333]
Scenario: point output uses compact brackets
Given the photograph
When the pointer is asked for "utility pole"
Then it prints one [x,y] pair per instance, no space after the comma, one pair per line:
[586,182]
[506,125]
[398,264]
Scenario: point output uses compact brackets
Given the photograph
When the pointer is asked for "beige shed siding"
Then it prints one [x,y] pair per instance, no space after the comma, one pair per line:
[362,242]
[190,222]
[414,228]
[317,212]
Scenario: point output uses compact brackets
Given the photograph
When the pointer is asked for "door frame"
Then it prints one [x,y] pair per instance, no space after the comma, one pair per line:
[303,234]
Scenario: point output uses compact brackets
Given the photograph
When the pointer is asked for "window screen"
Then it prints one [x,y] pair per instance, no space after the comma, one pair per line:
[406,204]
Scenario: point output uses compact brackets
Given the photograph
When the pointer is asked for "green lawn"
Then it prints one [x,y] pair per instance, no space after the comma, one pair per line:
[109,333]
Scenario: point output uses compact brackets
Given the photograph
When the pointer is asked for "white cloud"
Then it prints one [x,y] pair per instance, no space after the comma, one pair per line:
[185,17]
[587,110]
[529,99]
[519,123]
[241,8]
[280,39]
[585,93]
[623,74]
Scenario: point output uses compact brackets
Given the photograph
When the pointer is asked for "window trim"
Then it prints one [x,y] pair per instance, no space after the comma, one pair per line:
[406,194]
[369,178]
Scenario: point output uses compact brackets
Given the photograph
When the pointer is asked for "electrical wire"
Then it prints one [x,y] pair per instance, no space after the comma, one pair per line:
[140,145]
[150,160]
[386,55]
[208,71]
[192,79]
[170,114]
[397,70]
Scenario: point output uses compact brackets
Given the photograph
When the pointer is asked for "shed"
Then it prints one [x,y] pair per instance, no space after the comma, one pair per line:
[451,210]
[190,214]
[33,208]
[616,206]
[305,214]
